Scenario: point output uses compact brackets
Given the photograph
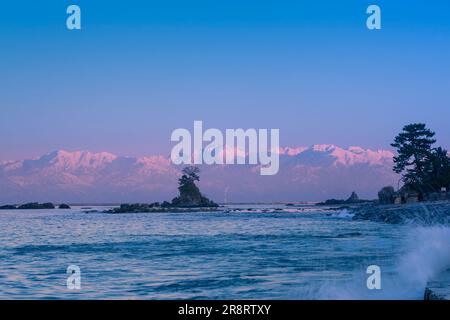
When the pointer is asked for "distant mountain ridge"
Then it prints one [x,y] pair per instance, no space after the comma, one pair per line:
[306,173]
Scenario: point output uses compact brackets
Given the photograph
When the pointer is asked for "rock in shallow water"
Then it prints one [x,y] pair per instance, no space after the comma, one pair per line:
[439,288]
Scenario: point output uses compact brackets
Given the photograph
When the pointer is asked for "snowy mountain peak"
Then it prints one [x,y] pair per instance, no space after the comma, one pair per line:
[79,159]
[324,147]
[306,173]
[337,155]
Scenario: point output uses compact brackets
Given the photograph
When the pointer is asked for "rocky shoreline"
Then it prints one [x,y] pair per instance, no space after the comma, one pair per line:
[158,208]
[34,206]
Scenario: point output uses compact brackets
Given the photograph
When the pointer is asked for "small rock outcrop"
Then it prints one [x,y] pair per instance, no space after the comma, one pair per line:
[63,206]
[35,205]
[190,198]
[190,195]
[353,199]
[8,207]
[136,207]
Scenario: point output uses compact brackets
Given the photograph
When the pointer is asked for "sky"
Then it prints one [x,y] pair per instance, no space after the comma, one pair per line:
[137,70]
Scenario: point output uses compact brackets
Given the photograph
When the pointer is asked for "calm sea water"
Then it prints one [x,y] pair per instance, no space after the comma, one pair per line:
[241,255]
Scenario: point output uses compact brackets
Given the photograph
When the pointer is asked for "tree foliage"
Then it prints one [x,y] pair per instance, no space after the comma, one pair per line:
[438,170]
[190,195]
[386,195]
[424,169]
[186,183]
[413,151]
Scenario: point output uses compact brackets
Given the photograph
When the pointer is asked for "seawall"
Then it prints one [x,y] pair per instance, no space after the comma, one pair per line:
[423,213]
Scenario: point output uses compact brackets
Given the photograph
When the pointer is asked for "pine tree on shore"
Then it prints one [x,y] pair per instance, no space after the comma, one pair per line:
[414,148]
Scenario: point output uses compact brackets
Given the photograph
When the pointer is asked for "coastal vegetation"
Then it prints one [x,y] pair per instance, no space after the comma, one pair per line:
[425,174]
[424,169]
[387,195]
[190,195]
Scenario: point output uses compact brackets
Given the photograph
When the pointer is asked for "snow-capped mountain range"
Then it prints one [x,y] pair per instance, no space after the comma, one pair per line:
[306,173]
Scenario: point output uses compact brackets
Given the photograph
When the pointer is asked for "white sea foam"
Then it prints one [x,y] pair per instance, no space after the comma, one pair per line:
[426,255]
[344,214]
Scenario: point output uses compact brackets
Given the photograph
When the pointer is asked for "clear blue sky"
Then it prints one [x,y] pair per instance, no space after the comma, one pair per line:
[139,69]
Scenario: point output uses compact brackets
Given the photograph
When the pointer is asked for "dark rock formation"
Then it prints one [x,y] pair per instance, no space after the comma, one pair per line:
[430,295]
[193,202]
[151,208]
[331,202]
[166,204]
[136,207]
[190,195]
[64,206]
[353,199]
[8,207]
[35,205]
[438,288]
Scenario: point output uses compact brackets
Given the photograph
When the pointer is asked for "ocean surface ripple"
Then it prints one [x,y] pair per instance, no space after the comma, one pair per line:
[223,255]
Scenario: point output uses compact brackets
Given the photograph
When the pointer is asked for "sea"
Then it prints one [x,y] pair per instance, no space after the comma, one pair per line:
[239,252]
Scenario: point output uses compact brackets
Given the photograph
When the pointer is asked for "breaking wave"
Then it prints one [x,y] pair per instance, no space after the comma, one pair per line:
[426,255]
